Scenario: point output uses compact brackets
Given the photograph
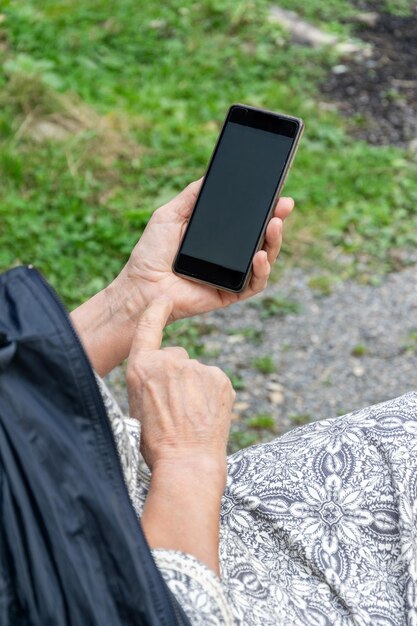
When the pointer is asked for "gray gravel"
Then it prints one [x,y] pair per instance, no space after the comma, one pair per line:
[316,376]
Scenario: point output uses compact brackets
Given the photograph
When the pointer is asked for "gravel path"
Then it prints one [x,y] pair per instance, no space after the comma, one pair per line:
[339,352]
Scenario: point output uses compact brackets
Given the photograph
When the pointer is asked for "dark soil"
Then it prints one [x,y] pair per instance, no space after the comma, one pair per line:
[379,93]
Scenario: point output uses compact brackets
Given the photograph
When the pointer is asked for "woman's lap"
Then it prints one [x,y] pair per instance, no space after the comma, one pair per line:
[319,526]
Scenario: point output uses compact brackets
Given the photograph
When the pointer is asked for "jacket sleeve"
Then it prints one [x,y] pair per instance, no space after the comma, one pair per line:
[197,588]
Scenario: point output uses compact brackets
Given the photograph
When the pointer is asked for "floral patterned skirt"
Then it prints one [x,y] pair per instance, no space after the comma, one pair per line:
[319,526]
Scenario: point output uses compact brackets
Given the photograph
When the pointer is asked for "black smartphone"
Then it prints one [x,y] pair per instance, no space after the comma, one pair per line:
[240,189]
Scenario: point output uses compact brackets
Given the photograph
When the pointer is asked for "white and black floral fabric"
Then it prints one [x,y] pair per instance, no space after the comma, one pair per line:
[317,527]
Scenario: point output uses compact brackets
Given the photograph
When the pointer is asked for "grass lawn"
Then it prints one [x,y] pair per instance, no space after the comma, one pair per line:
[134,94]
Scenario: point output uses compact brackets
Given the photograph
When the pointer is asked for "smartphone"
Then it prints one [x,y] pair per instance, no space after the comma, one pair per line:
[240,189]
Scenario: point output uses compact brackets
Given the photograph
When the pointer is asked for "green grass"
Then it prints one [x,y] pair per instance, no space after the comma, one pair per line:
[404,8]
[146,86]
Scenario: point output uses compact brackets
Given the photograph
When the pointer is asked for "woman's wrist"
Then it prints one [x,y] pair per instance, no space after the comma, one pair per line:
[106,323]
[210,469]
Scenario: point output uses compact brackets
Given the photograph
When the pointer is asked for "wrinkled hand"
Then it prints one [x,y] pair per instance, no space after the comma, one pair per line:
[184,407]
[149,272]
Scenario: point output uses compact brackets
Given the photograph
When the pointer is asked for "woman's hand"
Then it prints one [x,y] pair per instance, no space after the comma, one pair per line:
[107,321]
[184,407]
[148,271]
[185,410]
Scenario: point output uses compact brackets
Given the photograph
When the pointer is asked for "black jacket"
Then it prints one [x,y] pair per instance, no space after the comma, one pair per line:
[72,551]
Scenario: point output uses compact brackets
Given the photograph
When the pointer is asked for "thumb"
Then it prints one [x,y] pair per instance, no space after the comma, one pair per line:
[183,204]
[148,333]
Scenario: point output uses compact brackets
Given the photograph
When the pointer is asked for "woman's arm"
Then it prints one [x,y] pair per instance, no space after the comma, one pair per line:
[184,409]
[182,510]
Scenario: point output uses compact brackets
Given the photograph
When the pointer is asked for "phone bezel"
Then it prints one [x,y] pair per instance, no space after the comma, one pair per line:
[221,277]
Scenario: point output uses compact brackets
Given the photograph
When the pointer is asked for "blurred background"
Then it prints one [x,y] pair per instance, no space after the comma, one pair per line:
[108,109]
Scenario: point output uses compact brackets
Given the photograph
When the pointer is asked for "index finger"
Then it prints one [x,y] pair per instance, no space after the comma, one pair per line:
[148,334]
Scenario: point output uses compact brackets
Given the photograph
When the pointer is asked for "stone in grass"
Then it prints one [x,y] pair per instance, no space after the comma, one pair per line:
[276,397]
[412,146]
[273,385]
[369,18]
[250,333]
[237,338]
[242,406]
[304,33]
[358,371]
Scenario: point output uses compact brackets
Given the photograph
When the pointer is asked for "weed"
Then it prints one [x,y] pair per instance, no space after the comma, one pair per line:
[187,334]
[411,342]
[262,421]
[241,439]
[237,381]
[252,334]
[322,284]
[265,364]
[276,306]
[359,350]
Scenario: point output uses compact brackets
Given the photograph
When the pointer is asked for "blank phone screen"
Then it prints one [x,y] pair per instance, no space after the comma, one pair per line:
[237,195]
